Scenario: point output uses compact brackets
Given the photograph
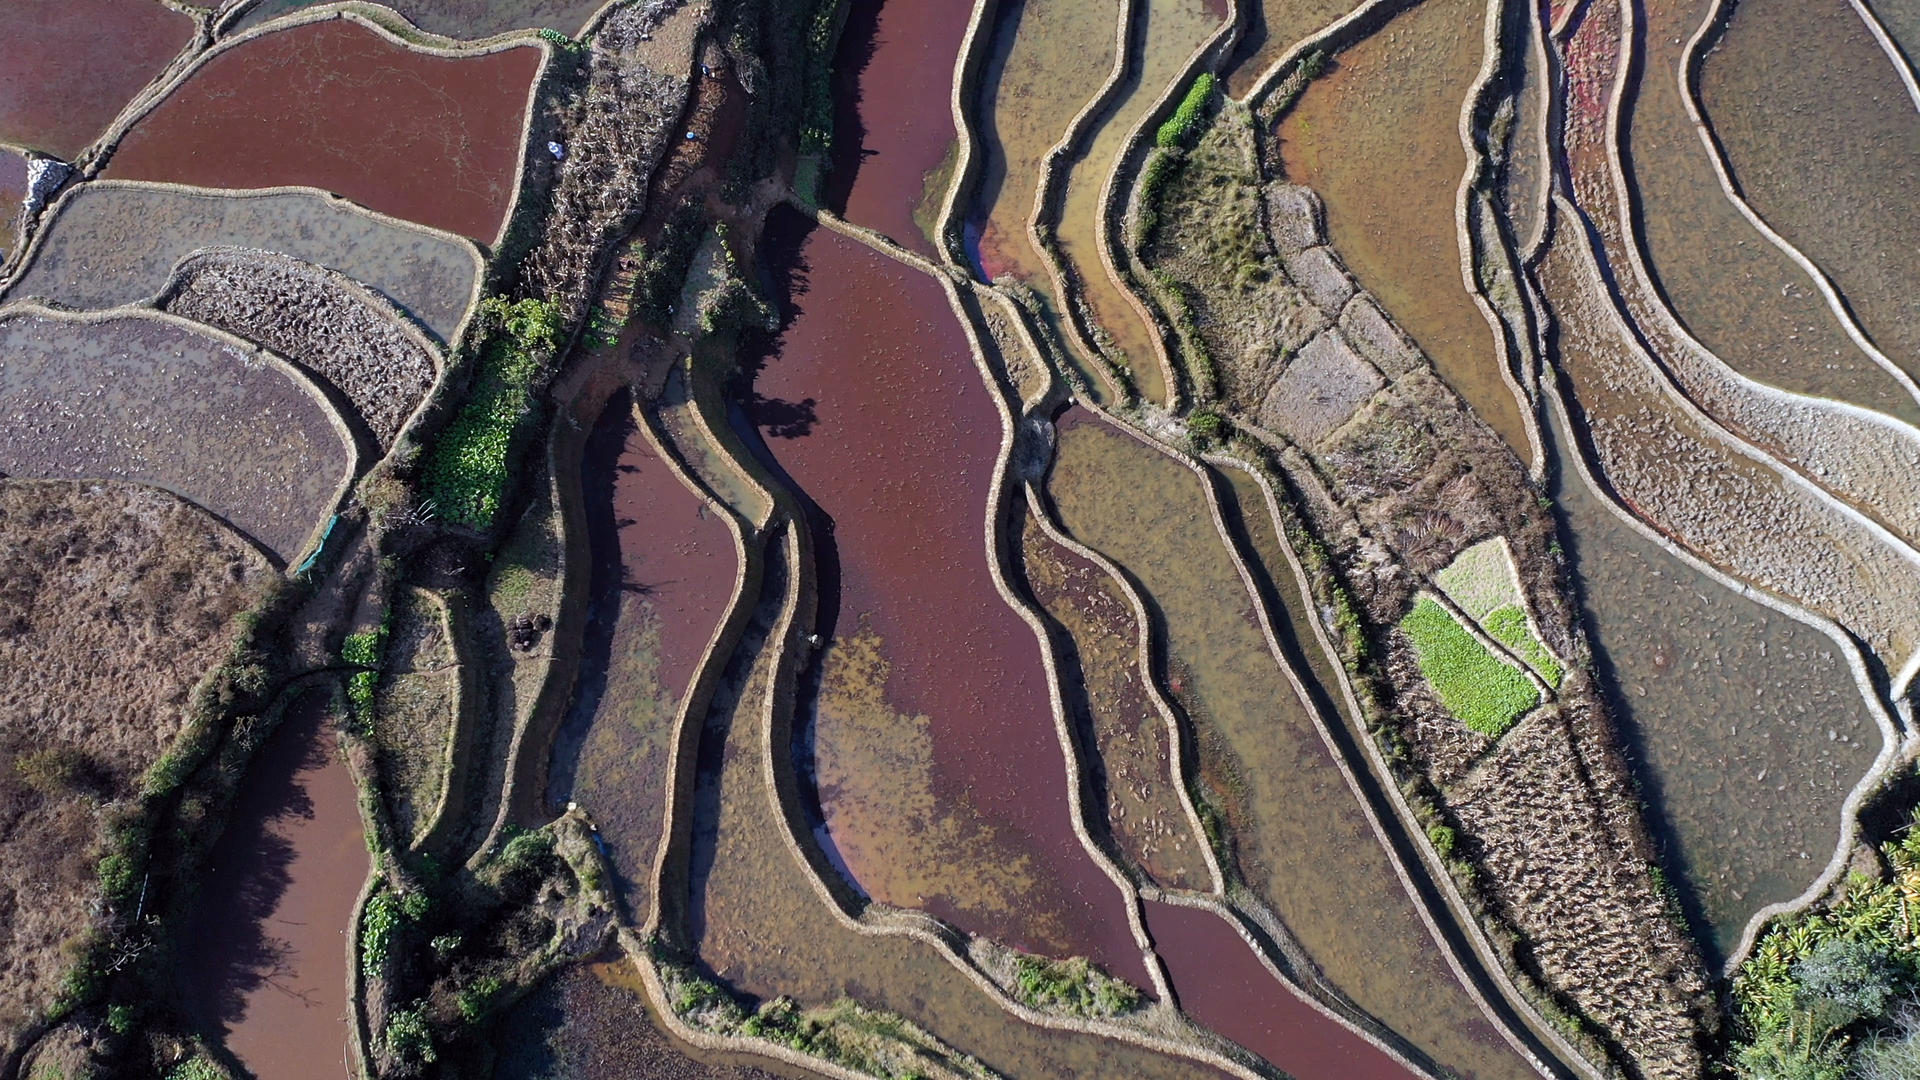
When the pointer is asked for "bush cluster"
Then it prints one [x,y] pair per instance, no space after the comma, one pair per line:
[467,473]
[1074,986]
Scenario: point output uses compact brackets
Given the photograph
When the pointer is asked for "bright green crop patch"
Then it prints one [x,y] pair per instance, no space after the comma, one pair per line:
[1485,693]
[1508,626]
[1180,128]
[467,473]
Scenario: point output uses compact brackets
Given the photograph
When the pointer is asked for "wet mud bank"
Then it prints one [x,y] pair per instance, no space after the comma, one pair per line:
[266,953]
[938,787]
[662,570]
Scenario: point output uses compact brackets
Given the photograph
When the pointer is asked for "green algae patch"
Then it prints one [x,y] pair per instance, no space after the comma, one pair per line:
[1484,693]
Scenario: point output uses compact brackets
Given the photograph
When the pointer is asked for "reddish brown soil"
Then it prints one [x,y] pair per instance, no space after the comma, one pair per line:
[69,66]
[663,569]
[265,955]
[114,601]
[872,405]
[336,106]
[893,122]
[1220,983]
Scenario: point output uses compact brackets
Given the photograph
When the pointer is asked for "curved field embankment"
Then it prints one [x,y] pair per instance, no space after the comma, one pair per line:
[1162,41]
[115,599]
[1727,284]
[663,568]
[1864,458]
[893,128]
[334,328]
[1299,838]
[1396,96]
[139,396]
[1822,136]
[70,66]
[938,789]
[335,104]
[463,20]
[110,243]
[1274,27]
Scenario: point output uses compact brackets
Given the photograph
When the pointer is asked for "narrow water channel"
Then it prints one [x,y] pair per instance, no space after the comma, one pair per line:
[265,952]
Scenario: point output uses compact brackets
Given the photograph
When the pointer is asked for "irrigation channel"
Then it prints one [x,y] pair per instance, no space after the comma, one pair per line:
[265,952]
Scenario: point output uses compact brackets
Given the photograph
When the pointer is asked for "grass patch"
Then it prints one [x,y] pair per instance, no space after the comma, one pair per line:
[467,473]
[1508,626]
[1075,987]
[1480,690]
[1180,128]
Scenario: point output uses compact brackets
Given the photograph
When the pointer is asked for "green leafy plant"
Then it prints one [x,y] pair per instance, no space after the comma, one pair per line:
[409,1038]
[467,471]
[1508,626]
[378,926]
[1480,690]
[1180,128]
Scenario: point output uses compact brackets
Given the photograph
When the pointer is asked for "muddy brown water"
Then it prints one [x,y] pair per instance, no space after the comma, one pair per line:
[1222,984]
[1301,840]
[1739,295]
[337,106]
[265,951]
[70,66]
[468,19]
[941,780]
[662,572]
[1395,98]
[893,116]
[1274,27]
[1824,140]
[1745,728]
[1164,35]
[13,188]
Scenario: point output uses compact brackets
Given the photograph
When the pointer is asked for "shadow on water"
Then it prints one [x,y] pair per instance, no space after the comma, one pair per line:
[859,40]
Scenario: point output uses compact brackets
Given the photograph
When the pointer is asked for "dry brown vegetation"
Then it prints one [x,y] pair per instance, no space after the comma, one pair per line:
[414,711]
[114,600]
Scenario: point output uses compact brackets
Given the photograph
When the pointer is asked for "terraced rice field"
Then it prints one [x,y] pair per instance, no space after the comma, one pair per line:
[1275,28]
[341,107]
[109,244]
[466,20]
[71,65]
[139,397]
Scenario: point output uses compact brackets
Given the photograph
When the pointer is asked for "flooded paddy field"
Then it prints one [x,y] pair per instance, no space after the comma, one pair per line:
[13,190]
[461,19]
[143,398]
[1026,102]
[1739,295]
[1526,170]
[116,243]
[762,927]
[893,113]
[264,954]
[663,566]
[1108,694]
[589,1022]
[1164,36]
[1745,727]
[1396,97]
[70,66]
[1824,140]
[1275,27]
[1216,975]
[940,789]
[338,106]
[1299,836]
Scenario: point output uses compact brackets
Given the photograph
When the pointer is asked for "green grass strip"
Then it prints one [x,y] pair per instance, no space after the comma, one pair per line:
[1480,690]
[1508,626]
[1180,128]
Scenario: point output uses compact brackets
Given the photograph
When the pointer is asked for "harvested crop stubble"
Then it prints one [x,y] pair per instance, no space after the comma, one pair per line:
[414,710]
[114,243]
[1484,692]
[114,599]
[337,330]
[138,396]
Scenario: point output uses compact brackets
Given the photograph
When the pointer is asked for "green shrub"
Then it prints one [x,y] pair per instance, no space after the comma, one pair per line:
[475,999]
[1206,426]
[1180,128]
[409,1038]
[119,1019]
[1162,166]
[197,1068]
[119,876]
[1481,691]
[468,469]
[1444,839]
[1074,986]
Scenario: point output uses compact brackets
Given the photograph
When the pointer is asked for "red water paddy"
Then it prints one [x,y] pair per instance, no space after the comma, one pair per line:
[67,67]
[265,951]
[337,106]
[663,567]
[893,117]
[871,404]
[1222,984]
